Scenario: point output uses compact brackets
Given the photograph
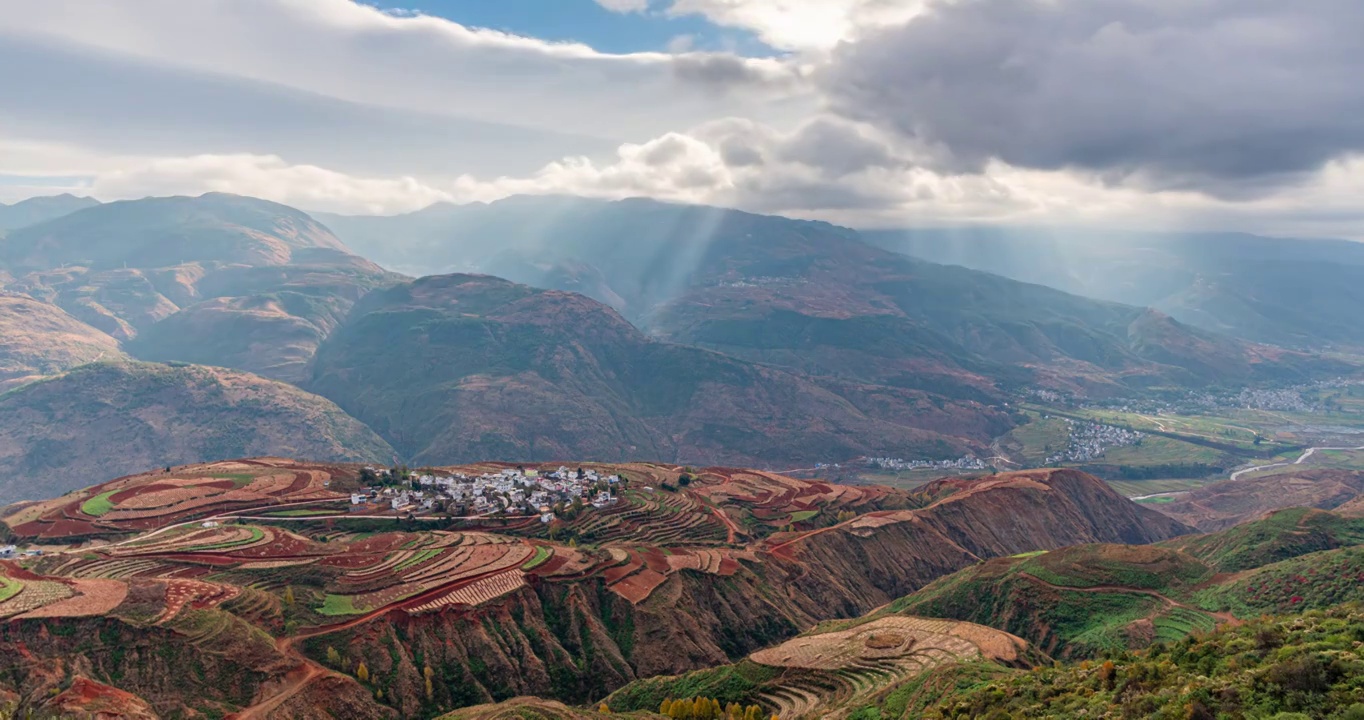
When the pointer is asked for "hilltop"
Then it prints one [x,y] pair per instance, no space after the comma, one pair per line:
[253,571]
[459,367]
[109,419]
[40,209]
[218,279]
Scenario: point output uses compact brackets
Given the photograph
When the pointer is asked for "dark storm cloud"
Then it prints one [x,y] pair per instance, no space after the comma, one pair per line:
[1230,96]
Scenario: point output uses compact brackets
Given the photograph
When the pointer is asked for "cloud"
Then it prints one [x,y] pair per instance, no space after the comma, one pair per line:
[1232,97]
[624,6]
[419,64]
[800,25]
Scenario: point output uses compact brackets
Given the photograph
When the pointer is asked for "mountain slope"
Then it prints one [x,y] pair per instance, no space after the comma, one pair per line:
[41,209]
[109,419]
[457,368]
[1221,505]
[37,339]
[217,279]
[1290,292]
[813,296]
[160,232]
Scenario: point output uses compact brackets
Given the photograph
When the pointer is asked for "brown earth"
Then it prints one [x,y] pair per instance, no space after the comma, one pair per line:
[460,368]
[38,340]
[1222,505]
[60,434]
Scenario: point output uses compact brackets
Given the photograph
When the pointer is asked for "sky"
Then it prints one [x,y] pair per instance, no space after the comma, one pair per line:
[1134,114]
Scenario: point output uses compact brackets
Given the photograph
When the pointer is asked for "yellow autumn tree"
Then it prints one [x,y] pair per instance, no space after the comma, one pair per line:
[430,687]
[666,707]
[602,708]
[362,672]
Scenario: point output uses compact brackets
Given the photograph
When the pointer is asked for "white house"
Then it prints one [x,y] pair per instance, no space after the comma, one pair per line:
[358,499]
[7,551]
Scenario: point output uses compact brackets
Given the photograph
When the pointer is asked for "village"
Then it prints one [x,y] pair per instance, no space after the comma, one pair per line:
[1089,440]
[967,462]
[511,491]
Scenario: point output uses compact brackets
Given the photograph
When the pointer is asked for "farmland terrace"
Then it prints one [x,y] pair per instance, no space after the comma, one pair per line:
[724,561]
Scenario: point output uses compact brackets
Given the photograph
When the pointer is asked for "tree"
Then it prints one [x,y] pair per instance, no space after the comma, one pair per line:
[666,707]
[362,672]
[430,687]
[289,596]
[333,657]
[602,708]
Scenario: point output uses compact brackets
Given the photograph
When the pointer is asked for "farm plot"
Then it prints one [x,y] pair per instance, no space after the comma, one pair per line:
[93,597]
[32,595]
[477,592]
[830,669]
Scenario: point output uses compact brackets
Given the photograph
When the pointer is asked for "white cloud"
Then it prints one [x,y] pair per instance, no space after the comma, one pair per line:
[333,105]
[801,25]
[415,64]
[623,6]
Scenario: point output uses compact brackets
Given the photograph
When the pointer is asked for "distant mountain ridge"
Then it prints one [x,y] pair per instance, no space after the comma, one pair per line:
[41,209]
[1301,293]
[813,296]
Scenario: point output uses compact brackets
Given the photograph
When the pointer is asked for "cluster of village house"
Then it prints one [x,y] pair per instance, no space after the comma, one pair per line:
[8,552]
[522,491]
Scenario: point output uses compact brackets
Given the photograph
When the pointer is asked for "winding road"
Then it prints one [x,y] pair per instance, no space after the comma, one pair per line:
[1309,452]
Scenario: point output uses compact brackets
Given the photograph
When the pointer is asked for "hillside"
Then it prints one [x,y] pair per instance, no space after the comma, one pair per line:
[1225,504]
[40,209]
[814,297]
[378,616]
[1301,666]
[37,340]
[216,280]
[458,368]
[1282,535]
[109,419]
[1285,291]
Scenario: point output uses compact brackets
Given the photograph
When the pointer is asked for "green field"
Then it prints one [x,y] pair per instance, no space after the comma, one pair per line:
[541,555]
[9,588]
[803,515]
[1038,438]
[302,513]
[99,505]
[1137,488]
[334,605]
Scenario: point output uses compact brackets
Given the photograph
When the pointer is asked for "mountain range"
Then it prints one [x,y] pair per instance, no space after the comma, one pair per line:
[1299,293]
[613,330]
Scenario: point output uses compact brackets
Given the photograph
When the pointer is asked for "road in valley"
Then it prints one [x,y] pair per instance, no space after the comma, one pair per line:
[1309,452]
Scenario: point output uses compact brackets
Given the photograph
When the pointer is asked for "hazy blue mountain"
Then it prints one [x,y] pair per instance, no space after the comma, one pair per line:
[1295,293]
[41,209]
[810,295]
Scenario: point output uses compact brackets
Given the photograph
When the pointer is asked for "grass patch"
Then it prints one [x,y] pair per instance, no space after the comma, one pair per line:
[541,555]
[1156,500]
[9,588]
[1032,554]
[334,605]
[301,513]
[239,480]
[99,505]
[417,559]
